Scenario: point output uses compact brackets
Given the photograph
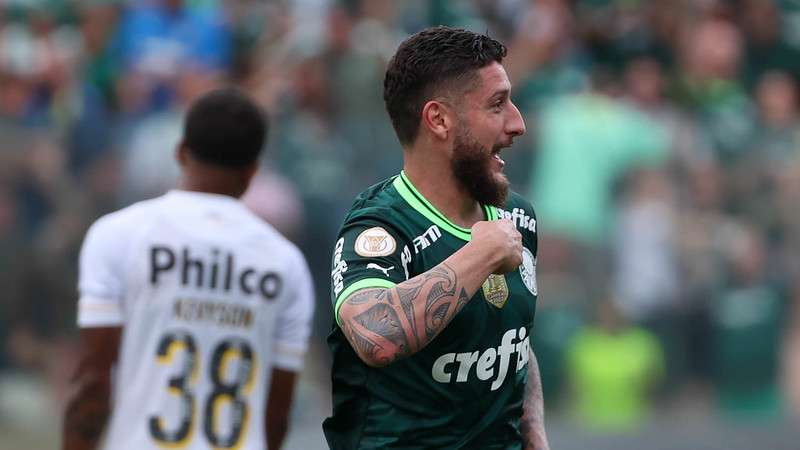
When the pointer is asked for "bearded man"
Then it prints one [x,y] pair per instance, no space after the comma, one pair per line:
[434,270]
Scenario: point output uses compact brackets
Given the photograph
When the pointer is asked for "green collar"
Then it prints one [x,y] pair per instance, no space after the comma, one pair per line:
[412,196]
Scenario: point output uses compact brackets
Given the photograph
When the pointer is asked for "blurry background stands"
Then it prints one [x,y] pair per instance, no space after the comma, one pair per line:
[663,157]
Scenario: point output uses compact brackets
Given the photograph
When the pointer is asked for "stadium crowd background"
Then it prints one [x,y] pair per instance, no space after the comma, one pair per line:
[663,157]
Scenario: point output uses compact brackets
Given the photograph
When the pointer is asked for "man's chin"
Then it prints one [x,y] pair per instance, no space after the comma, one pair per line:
[495,194]
[500,178]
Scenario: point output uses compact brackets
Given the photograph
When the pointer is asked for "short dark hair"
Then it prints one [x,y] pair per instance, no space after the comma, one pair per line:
[427,62]
[225,128]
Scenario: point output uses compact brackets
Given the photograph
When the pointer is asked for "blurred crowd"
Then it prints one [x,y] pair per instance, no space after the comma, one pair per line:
[663,159]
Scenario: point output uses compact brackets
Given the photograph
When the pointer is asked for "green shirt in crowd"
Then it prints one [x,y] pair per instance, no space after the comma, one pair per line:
[612,374]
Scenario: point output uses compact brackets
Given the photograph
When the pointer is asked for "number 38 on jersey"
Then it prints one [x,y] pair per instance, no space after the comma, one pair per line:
[222,404]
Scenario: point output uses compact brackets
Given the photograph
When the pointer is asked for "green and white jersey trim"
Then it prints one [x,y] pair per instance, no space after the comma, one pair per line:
[412,196]
[366,283]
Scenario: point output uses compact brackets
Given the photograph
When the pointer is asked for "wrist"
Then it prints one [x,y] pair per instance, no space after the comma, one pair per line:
[486,260]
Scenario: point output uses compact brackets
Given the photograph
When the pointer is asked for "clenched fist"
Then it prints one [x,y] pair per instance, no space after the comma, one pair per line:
[502,243]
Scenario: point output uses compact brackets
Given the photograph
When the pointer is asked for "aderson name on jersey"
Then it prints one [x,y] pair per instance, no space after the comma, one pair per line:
[213,272]
[485,362]
[224,314]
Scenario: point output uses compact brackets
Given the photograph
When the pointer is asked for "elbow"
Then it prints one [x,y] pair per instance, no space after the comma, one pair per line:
[382,358]
[375,362]
[375,338]
[89,407]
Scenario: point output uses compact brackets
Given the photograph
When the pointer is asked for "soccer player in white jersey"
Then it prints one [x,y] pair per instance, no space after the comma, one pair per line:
[194,313]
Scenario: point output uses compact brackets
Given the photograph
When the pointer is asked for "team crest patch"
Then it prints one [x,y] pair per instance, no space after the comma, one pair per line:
[374,242]
[495,290]
[528,271]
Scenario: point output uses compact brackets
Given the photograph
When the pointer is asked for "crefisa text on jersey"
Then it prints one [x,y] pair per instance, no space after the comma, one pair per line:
[213,271]
[520,219]
[485,362]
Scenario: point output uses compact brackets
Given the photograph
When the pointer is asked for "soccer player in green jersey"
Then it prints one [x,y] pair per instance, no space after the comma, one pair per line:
[434,270]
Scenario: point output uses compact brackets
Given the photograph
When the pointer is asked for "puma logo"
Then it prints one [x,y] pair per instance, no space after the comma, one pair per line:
[382,269]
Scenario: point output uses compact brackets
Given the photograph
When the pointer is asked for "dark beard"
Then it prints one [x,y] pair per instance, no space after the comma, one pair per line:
[470,165]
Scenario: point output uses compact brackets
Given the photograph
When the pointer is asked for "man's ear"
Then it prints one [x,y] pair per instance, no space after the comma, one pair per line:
[437,118]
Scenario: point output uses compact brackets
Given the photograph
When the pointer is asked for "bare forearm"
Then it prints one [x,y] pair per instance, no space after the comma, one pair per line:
[532,429]
[384,325]
[276,432]
[86,416]
[279,403]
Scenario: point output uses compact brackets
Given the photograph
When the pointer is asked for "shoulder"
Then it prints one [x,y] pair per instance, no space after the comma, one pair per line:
[380,203]
[123,222]
[382,194]
[256,233]
[280,243]
[110,239]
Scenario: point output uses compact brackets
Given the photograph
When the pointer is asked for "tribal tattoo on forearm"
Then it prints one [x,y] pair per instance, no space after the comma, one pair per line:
[389,324]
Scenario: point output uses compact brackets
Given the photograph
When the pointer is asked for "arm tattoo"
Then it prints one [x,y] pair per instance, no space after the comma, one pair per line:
[380,322]
[388,324]
[531,425]
[360,297]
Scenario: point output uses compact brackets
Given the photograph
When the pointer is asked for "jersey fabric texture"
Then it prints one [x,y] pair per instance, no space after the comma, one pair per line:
[210,298]
[463,390]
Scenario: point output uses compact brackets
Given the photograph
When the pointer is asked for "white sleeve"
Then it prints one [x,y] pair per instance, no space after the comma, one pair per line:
[100,277]
[293,326]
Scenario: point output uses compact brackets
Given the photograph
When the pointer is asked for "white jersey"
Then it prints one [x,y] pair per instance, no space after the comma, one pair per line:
[210,299]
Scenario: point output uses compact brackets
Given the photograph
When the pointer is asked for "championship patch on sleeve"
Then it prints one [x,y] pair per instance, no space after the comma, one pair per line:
[374,242]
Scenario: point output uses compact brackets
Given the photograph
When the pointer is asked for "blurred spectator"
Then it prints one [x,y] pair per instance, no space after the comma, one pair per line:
[645,88]
[646,275]
[559,316]
[544,60]
[790,373]
[768,39]
[157,40]
[756,178]
[613,368]
[710,54]
[89,136]
[149,167]
[355,62]
[702,225]
[748,320]
[587,143]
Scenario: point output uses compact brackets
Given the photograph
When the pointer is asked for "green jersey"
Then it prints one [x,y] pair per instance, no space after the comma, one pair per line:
[465,388]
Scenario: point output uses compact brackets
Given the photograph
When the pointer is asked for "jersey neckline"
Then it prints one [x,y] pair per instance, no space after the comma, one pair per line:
[208,197]
[416,200]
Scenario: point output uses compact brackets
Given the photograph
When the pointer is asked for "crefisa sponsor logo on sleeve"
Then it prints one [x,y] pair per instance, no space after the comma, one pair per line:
[339,268]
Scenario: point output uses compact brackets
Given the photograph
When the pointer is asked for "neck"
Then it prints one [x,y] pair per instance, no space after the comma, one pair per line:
[436,182]
[211,186]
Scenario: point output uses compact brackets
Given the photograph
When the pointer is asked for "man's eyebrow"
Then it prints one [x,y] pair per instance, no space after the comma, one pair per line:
[500,94]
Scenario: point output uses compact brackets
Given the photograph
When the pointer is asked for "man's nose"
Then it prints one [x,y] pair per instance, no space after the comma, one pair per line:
[516,124]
